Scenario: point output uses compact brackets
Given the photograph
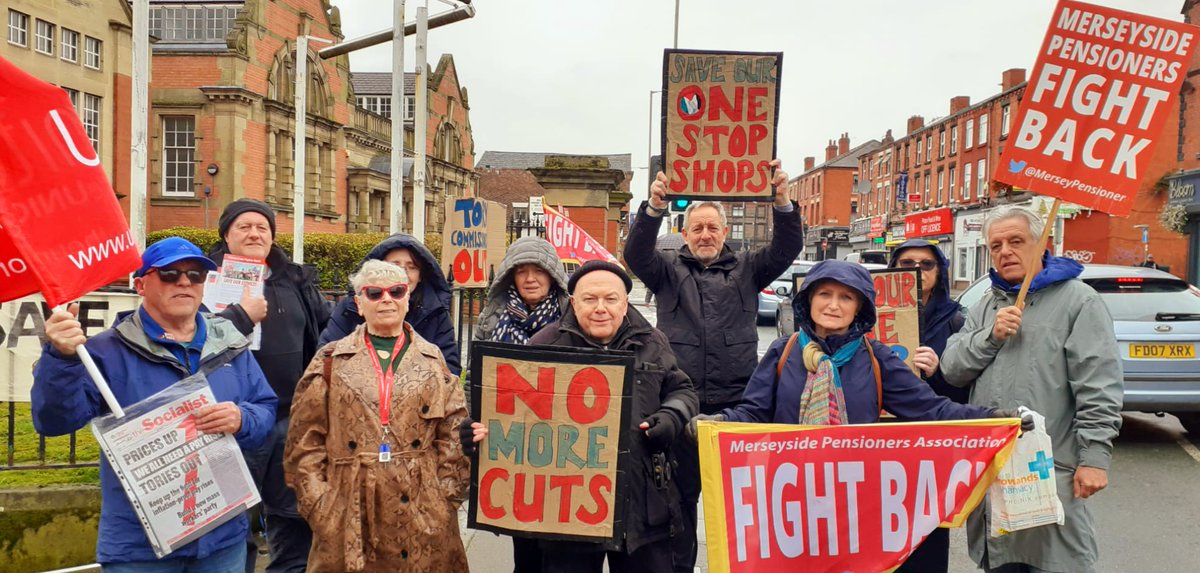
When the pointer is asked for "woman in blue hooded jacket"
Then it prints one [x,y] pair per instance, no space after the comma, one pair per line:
[940,318]
[429,310]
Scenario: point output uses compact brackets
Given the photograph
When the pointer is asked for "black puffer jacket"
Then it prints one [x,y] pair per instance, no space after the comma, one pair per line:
[709,313]
[296,315]
[651,514]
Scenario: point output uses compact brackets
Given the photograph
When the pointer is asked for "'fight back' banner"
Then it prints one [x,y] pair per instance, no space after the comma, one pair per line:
[1103,85]
[572,243]
[830,499]
[552,465]
[720,111]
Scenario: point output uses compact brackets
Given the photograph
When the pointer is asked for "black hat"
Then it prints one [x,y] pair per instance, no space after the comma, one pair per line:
[598,265]
[241,206]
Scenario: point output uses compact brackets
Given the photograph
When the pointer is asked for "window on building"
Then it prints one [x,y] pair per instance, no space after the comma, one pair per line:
[983,121]
[739,210]
[44,36]
[981,173]
[74,97]
[381,105]
[969,134]
[919,146]
[928,148]
[941,144]
[952,181]
[925,195]
[18,28]
[966,188]
[179,156]
[91,52]
[410,108]
[70,46]
[960,266]
[91,119]
[941,186]
[953,139]
[1004,121]
[737,231]
[191,23]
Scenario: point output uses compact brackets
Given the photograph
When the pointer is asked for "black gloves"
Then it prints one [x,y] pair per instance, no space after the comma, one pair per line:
[1026,420]
[466,436]
[691,427]
[663,427]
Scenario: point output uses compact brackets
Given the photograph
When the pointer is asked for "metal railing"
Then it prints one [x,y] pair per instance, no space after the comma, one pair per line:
[41,463]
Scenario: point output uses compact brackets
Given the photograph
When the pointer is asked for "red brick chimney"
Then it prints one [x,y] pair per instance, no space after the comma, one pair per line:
[1011,78]
[831,151]
[809,163]
[959,103]
[844,144]
[914,123]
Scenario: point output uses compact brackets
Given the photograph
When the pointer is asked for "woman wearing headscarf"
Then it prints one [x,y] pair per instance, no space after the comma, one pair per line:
[940,318]
[429,311]
[528,293]
[373,451]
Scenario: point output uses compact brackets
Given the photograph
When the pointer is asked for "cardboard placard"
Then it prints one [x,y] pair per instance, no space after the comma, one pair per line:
[720,111]
[474,240]
[1103,85]
[897,310]
[554,462]
[830,499]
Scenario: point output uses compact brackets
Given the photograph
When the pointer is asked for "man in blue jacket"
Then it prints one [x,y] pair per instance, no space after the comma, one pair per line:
[165,340]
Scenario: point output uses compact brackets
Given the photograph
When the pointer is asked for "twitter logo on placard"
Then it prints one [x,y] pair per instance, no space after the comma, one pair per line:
[1015,166]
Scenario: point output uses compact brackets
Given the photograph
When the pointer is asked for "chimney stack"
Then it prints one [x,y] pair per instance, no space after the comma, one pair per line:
[809,163]
[831,151]
[914,123]
[844,144]
[1012,78]
[959,103]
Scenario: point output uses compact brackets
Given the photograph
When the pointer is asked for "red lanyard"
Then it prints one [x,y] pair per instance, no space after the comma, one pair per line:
[385,377]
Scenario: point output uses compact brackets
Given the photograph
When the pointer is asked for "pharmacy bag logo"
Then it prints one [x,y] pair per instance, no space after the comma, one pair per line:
[691,103]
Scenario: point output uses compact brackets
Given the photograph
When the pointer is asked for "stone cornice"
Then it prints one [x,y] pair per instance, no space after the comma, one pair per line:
[236,94]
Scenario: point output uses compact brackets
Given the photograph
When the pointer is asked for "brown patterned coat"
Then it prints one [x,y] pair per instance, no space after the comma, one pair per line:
[367,515]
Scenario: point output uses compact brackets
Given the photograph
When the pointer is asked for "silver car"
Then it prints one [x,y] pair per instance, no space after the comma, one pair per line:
[1156,317]
[769,299]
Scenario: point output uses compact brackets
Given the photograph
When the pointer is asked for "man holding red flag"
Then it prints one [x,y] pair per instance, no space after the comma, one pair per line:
[165,340]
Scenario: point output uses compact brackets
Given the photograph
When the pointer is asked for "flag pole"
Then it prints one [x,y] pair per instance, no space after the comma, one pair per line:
[90,365]
[1046,228]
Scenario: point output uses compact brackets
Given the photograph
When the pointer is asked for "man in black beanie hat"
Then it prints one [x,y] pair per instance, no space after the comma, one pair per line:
[292,317]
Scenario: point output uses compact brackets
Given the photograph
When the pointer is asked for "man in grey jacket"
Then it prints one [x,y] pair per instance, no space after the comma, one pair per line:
[1061,361]
[707,299]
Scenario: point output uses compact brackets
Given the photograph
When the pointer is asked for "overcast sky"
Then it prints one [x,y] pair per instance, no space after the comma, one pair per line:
[574,76]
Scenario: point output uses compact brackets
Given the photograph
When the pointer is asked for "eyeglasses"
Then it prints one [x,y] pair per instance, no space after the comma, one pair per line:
[171,276]
[926,265]
[375,293]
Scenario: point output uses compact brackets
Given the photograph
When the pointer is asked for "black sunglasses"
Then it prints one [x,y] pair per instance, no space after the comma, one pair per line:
[171,276]
[374,293]
[926,265]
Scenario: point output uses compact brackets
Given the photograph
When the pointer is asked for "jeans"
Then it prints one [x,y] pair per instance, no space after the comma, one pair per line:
[232,559]
[288,535]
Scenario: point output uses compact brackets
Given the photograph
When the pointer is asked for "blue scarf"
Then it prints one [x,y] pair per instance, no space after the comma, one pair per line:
[1054,271]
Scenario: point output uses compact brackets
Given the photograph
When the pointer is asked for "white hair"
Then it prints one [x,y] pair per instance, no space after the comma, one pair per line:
[687,215]
[1007,212]
[378,273]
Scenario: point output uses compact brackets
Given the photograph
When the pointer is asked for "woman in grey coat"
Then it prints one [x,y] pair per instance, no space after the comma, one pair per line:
[528,293]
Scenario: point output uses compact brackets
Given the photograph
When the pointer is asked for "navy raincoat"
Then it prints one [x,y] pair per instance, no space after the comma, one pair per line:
[428,311]
[940,318]
[905,395]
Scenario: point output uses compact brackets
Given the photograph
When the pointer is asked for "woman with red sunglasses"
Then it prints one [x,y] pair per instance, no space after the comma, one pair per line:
[373,451]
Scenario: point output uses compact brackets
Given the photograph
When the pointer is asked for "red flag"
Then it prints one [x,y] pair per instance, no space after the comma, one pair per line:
[573,244]
[61,229]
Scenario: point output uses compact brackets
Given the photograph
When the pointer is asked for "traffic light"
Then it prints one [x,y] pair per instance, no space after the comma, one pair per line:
[680,205]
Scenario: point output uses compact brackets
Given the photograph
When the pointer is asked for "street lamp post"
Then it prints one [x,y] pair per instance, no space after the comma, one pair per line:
[650,135]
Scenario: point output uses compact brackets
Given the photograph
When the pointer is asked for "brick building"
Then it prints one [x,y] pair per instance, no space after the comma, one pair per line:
[825,196]
[87,50]
[593,190]
[222,99]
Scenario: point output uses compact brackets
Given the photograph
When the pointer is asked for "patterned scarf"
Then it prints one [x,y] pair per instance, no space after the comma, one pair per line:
[823,403]
[518,322]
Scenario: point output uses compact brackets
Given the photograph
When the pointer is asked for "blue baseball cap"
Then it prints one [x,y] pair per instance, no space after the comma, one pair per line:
[172,250]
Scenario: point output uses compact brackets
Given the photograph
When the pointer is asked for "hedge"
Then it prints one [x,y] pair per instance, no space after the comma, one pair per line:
[336,255]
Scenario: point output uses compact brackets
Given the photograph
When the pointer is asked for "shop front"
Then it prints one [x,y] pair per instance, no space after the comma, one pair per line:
[1183,210]
[969,260]
[822,243]
[935,226]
